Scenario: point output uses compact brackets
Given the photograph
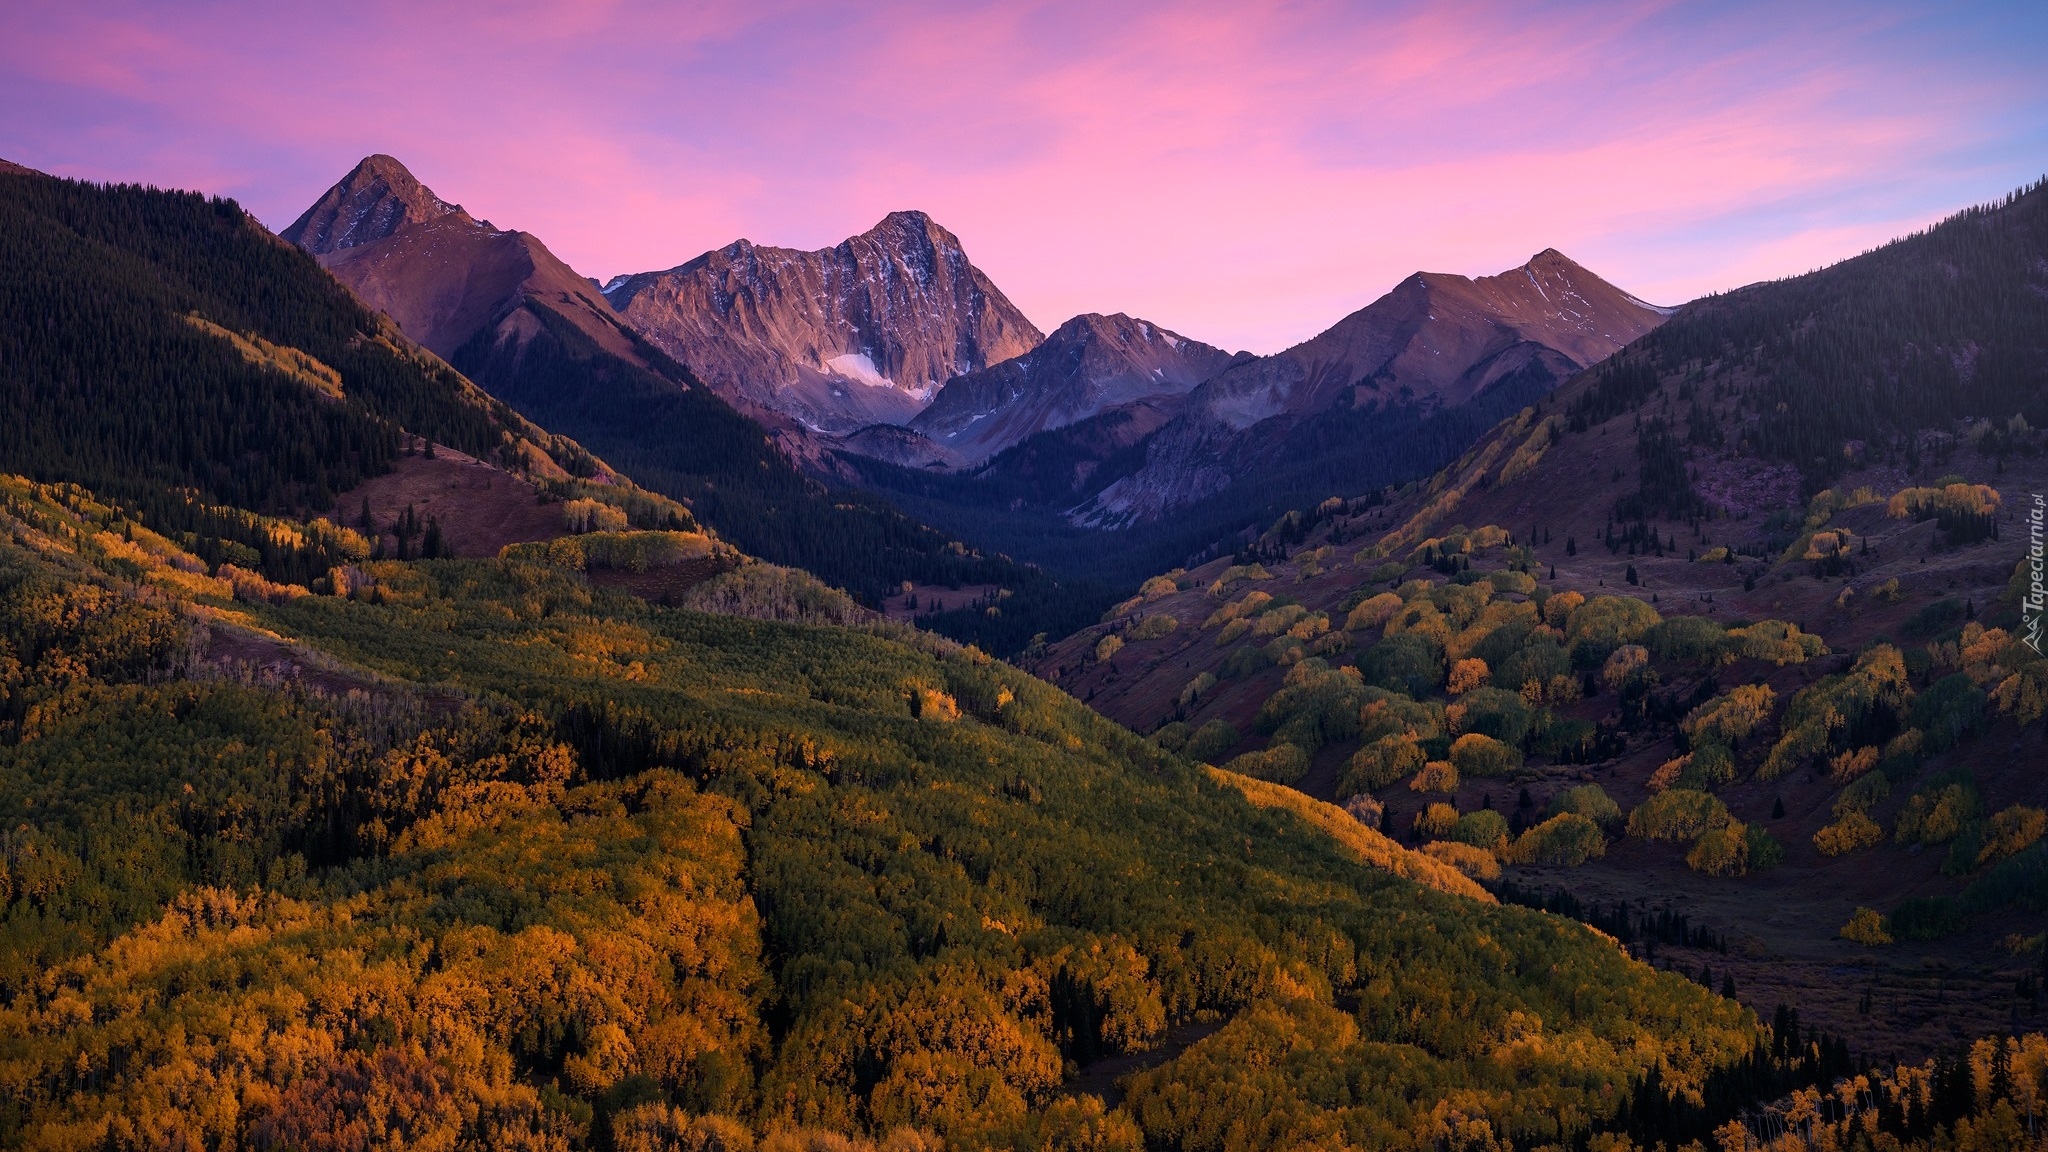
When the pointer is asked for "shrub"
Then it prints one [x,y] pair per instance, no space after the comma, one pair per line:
[1478,863]
[1390,714]
[1476,754]
[1925,918]
[1677,814]
[1436,776]
[1173,736]
[1380,763]
[1314,706]
[1436,820]
[1466,675]
[2011,832]
[1605,623]
[1282,764]
[1865,794]
[1404,663]
[1691,638]
[1108,647]
[1777,642]
[1852,832]
[1364,809]
[1568,839]
[1710,765]
[1197,688]
[1373,613]
[1153,627]
[1935,618]
[1950,709]
[1722,851]
[1482,829]
[1627,667]
[579,516]
[1849,766]
[1494,712]
[1729,718]
[1537,660]
[1588,800]
[1210,741]
[1765,852]
[1249,605]
[1520,583]
[1938,811]
[1903,752]
[1866,927]
[1246,661]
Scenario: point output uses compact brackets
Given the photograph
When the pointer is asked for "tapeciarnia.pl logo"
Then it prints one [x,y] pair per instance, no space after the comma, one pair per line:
[2037,561]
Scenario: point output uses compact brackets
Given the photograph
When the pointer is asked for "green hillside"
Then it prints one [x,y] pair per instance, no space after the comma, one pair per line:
[535,859]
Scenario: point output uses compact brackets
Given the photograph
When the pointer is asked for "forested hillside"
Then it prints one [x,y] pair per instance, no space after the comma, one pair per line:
[511,862]
[678,437]
[1629,660]
[1882,349]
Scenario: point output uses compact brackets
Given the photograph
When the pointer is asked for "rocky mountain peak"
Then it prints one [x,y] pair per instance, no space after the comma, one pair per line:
[864,332]
[1089,365]
[378,197]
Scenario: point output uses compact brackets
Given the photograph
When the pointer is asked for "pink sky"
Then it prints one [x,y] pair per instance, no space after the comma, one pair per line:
[1244,173]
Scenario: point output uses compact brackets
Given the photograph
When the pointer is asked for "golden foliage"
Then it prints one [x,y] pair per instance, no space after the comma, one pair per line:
[1466,675]
[1438,819]
[1473,861]
[1436,776]
[1866,927]
[1364,844]
[1851,832]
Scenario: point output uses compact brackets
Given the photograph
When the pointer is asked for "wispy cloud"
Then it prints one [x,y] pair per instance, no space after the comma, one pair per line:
[1244,172]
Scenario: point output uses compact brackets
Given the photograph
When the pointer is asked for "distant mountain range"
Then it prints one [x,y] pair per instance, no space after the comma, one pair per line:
[1435,342]
[890,362]
[512,317]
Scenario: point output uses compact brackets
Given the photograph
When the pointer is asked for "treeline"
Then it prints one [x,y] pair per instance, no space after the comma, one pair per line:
[1947,324]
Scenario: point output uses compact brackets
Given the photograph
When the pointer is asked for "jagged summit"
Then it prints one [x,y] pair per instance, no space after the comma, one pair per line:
[1436,341]
[864,332]
[443,275]
[1090,364]
[378,197]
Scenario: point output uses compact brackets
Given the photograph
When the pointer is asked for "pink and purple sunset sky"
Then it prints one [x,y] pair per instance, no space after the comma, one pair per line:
[1243,172]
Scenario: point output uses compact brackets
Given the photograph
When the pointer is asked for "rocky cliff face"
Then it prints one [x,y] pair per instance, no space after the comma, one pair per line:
[1091,364]
[443,275]
[378,198]
[862,333]
[1435,342]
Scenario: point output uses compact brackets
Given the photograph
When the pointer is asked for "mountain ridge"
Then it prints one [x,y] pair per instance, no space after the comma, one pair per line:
[860,333]
[1088,365]
[1434,342]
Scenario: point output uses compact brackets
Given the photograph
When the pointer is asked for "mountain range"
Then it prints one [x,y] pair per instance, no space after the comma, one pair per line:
[1767,565]
[893,348]
[398,749]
